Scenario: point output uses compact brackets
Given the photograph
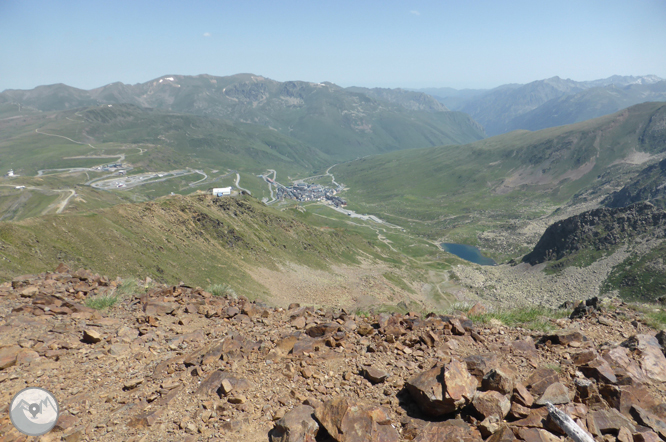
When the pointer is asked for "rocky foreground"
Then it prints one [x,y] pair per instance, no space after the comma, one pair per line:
[179,364]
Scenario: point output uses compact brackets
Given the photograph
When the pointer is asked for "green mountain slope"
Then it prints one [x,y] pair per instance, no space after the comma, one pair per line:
[459,191]
[201,239]
[342,123]
[169,140]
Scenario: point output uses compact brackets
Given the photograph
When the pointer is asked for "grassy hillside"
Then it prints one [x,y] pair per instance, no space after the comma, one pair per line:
[640,277]
[201,239]
[168,140]
[459,191]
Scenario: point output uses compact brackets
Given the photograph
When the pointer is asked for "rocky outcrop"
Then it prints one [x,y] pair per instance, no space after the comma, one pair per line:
[177,363]
[595,230]
[647,186]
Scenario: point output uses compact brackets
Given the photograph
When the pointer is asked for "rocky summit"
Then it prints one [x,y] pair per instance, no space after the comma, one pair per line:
[178,363]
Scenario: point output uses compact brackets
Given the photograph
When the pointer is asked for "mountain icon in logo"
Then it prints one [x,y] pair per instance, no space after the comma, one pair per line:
[34,411]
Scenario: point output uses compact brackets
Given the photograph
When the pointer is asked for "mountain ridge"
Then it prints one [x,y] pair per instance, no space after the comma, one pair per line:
[342,123]
[550,102]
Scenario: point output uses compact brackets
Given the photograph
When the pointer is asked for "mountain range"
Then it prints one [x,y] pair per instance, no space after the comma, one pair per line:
[550,102]
[341,123]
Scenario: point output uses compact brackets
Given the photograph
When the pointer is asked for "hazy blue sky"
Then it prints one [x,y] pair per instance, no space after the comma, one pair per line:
[388,43]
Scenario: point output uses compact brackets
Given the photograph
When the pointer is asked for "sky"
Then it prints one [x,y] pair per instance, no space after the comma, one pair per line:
[385,43]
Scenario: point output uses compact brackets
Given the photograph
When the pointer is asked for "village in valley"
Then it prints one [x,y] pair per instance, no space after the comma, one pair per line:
[304,192]
[311,192]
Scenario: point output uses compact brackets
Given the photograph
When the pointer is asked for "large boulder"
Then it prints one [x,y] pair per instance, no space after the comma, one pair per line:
[499,379]
[347,420]
[298,425]
[649,420]
[443,389]
[653,361]
[491,403]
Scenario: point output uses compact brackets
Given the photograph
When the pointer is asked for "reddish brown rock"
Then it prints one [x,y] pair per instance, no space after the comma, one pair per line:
[584,356]
[504,434]
[624,368]
[541,379]
[556,394]
[25,357]
[623,397]
[537,435]
[653,361]
[456,327]
[522,396]
[213,383]
[352,421]
[298,425]
[430,339]
[624,435]
[536,419]
[491,403]
[321,330]
[375,375]
[608,422]
[147,419]
[647,419]
[155,308]
[442,390]
[646,436]
[29,292]
[564,337]
[365,329]
[8,356]
[477,309]
[525,346]
[448,431]
[600,370]
[91,336]
[306,345]
[480,365]
[518,411]
[499,379]
[298,322]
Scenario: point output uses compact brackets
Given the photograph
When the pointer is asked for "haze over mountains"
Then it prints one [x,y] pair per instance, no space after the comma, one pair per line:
[550,102]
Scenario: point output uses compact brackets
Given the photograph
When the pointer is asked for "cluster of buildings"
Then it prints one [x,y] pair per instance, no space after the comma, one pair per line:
[310,192]
[115,167]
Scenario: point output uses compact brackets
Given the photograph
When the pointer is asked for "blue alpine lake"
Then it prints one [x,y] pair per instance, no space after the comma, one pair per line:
[468,253]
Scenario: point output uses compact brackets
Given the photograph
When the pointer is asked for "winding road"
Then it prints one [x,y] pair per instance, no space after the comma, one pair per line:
[270,185]
[238,185]
[61,205]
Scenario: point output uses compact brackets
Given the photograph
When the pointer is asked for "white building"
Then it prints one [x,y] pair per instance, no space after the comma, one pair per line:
[222,191]
[11,172]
